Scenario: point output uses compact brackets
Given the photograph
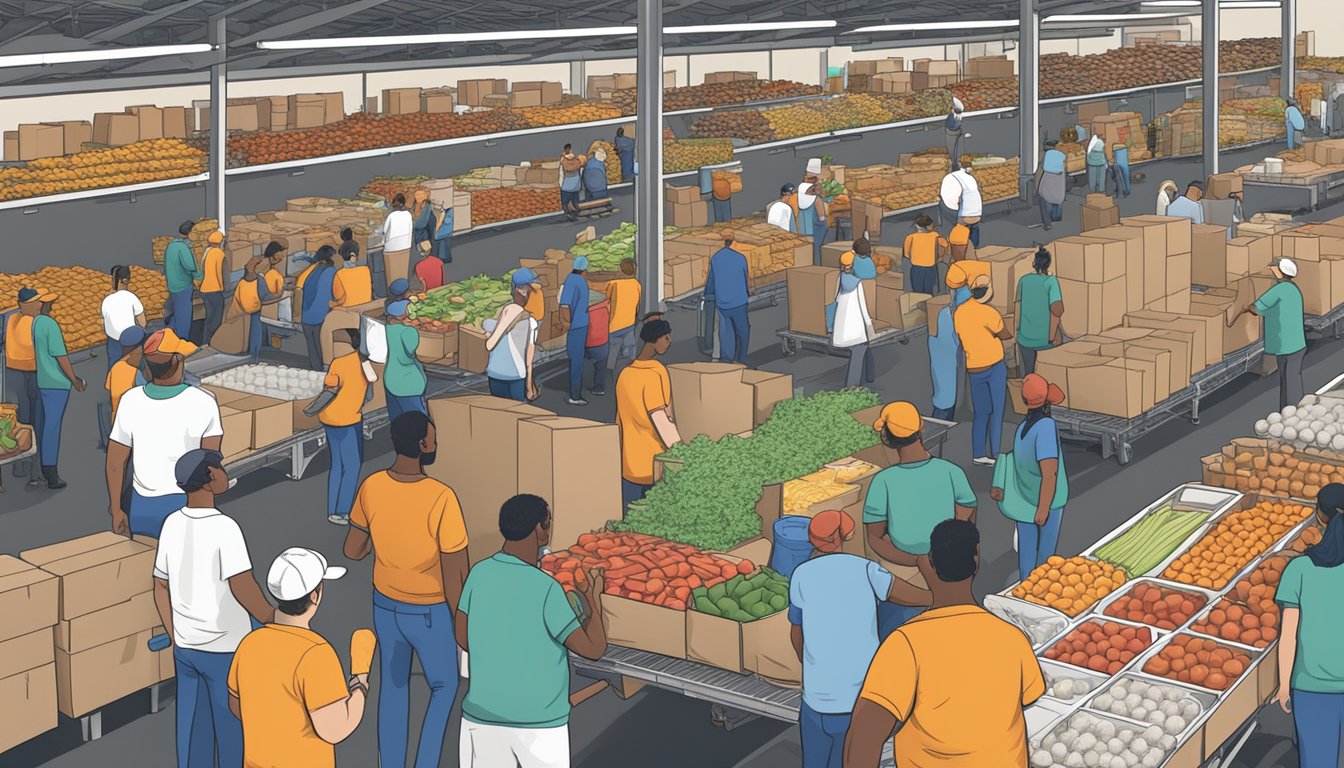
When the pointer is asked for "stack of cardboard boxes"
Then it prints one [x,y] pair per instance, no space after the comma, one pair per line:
[879,76]
[277,113]
[990,68]
[717,399]
[1124,128]
[930,73]
[684,208]
[472,93]
[29,602]
[106,618]
[1099,211]
[252,422]
[812,288]
[769,251]
[1325,151]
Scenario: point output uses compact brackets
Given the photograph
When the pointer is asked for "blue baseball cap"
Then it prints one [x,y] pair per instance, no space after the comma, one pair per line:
[580,263]
[398,308]
[524,276]
[132,337]
[399,287]
[26,294]
[191,461]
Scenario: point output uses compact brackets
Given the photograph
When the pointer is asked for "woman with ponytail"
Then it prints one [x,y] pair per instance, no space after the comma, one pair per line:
[1311,638]
[121,310]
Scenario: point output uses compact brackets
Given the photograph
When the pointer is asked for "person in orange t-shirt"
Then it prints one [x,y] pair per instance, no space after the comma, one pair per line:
[16,337]
[353,285]
[643,410]
[212,285]
[340,410]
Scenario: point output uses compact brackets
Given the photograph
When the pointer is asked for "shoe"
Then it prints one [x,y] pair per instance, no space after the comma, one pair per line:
[54,481]
[600,392]
[580,401]
[34,481]
[984,461]
[338,520]
[1049,227]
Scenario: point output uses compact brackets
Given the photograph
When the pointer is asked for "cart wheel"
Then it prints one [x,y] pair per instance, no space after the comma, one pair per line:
[1124,453]
[1195,421]
[903,342]
[786,345]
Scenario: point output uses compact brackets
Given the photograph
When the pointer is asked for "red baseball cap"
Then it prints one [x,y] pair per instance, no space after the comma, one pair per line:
[829,529]
[1036,391]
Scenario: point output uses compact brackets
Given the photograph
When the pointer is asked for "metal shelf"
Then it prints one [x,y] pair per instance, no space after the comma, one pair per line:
[88,194]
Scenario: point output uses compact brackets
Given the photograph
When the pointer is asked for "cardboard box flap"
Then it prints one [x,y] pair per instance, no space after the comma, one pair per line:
[77,554]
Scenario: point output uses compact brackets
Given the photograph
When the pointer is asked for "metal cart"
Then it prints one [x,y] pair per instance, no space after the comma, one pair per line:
[791,341]
[767,295]
[1331,323]
[1115,435]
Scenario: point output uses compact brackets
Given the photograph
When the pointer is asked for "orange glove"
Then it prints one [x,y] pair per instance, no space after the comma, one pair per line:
[362,644]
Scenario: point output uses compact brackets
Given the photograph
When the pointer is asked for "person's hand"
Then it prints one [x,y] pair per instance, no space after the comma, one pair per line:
[79,384]
[362,679]
[121,524]
[1041,516]
[593,586]
[1057,338]
[1284,698]
[996,494]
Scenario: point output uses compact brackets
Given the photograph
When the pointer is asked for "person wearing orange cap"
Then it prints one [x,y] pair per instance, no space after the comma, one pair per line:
[155,425]
[1032,488]
[833,602]
[211,284]
[954,680]
[16,336]
[55,377]
[852,325]
[905,501]
[981,331]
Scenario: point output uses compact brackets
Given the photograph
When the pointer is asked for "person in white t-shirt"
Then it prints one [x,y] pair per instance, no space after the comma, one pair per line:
[398,230]
[121,310]
[960,194]
[159,422]
[207,599]
[780,213]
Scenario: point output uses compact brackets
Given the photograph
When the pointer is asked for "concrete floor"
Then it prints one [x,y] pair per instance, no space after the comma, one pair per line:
[653,728]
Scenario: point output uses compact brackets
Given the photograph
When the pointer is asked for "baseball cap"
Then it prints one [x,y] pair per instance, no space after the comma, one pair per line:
[399,287]
[192,461]
[901,418]
[526,276]
[829,529]
[1036,391]
[27,294]
[787,189]
[1287,266]
[166,342]
[847,259]
[727,235]
[132,337]
[580,264]
[298,571]
[398,308]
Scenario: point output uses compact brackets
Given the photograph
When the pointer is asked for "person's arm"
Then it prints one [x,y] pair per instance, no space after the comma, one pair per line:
[1004,333]
[248,594]
[460,630]
[358,543]
[1056,312]
[666,428]
[590,639]
[963,512]
[115,470]
[1288,625]
[163,602]
[503,324]
[530,385]
[796,638]
[1049,476]
[337,292]
[335,722]
[69,372]
[566,317]
[876,535]
[235,706]
[903,592]
[871,725]
[454,566]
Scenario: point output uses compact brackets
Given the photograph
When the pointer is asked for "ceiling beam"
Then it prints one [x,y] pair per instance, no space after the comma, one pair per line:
[308,22]
[118,31]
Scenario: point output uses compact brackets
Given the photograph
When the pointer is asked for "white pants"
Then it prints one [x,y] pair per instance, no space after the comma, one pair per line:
[498,746]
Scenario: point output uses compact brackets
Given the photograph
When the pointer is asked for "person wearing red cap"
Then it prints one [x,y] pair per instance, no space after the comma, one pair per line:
[833,600]
[1030,485]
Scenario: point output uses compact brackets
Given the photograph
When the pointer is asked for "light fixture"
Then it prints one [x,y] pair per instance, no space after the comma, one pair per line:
[1234,6]
[1226,5]
[101,54]
[924,26]
[472,37]
[763,26]
[1083,18]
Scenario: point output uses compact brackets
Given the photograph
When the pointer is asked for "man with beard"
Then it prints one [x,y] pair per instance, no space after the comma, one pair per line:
[415,524]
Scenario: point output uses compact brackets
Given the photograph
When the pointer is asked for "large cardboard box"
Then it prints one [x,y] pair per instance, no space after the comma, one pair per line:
[713,640]
[472,355]
[1110,388]
[100,675]
[29,598]
[1134,240]
[1298,246]
[1248,255]
[1055,365]
[1178,273]
[711,399]
[1244,330]
[767,650]
[1208,255]
[11,139]
[344,317]
[687,215]
[242,117]
[237,431]
[1208,332]
[1314,278]
[401,101]
[681,195]
[115,130]
[27,705]
[1089,259]
[26,652]
[151,121]
[574,464]
[178,122]
[95,571]
[1155,252]
[1092,307]
[768,389]
[107,624]
[1099,211]
[1177,230]
[647,627]
[272,420]
[810,289]
[1160,359]
[37,140]
[1222,185]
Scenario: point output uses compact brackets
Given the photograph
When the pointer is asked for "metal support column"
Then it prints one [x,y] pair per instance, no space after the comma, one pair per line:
[649,154]
[364,92]
[1288,69]
[825,66]
[770,65]
[578,78]
[1211,31]
[1029,107]
[219,79]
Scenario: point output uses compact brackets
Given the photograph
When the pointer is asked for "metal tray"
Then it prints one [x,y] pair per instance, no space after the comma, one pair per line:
[1246,502]
[1098,609]
[1042,715]
[1254,654]
[1037,740]
[1205,698]
[1158,636]
[1191,496]
[1054,671]
[1012,610]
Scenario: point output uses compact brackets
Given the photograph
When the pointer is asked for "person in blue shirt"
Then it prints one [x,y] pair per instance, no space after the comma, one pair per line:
[1120,169]
[595,175]
[625,147]
[1033,488]
[945,356]
[1187,205]
[1294,122]
[574,318]
[1051,184]
[443,239]
[833,601]
[315,289]
[182,273]
[728,286]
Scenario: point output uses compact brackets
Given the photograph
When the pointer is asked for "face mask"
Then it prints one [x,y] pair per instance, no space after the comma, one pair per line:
[427,457]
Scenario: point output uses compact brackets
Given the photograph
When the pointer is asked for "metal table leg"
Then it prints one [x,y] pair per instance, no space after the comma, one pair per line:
[91,726]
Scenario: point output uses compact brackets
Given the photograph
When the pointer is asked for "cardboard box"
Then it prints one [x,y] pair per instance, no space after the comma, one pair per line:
[437,102]
[1177,230]
[1222,185]
[11,139]
[1099,211]
[272,420]
[810,289]
[713,640]
[767,650]
[95,571]
[115,130]
[1109,388]
[768,389]
[401,101]
[1248,255]
[74,134]
[574,464]
[178,122]
[1298,246]
[472,355]
[1160,359]
[1178,273]
[27,705]
[711,399]
[687,215]
[1092,307]
[345,317]
[1208,255]
[151,121]
[26,652]
[681,195]
[1155,250]
[1208,334]
[652,628]
[1089,259]
[1134,240]
[1177,303]
[1314,278]
[99,676]
[29,598]
[103,626]
[1245,328]
[237,426]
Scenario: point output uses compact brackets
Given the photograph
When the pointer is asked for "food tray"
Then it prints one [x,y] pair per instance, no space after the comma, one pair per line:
[1054,671]
[1254,655]
[1098,610]
[1205,698]
[1158,636]
[1034,741]
[1044,714]
[1190,496]
[1245,502]
[1208,609]
[1014,610]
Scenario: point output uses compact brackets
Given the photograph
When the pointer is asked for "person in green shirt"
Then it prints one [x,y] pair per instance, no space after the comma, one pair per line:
[518,626]
[55,377]
[1311,654]
[906,501]
[404,378]
[1285,331]
[182,273]
[1040,310]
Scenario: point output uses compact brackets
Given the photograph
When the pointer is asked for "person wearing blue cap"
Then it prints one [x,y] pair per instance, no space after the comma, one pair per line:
[398,290]
[512,344]
[121,378]
[315,296]
[574,319]
[16,337]
[729,287]
[404,377]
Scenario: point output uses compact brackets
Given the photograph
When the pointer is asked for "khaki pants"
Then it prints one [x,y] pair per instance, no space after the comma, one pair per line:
[397,265]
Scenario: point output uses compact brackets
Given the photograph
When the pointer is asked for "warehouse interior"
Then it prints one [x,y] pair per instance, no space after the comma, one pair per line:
[335,102]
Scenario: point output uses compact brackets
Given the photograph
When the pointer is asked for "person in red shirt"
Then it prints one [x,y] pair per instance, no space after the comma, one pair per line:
[429,270]
[595,346]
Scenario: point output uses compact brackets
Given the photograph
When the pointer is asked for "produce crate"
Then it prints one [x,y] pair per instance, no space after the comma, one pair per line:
[1191,496]
[1118,723]
[1155,638]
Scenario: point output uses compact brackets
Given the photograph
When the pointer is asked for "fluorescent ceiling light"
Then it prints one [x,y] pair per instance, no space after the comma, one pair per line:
[1230,6]
[101,54]
[1083,18]
[471,37]
[764,26]
[940,26]
[1225,4]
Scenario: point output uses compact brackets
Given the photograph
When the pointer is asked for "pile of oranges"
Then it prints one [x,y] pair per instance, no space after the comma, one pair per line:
[1248,615]
[1101,647]
[1235,541]
[79,308]
[1156,606]
[138,163]
[1200,661]
[1069,585]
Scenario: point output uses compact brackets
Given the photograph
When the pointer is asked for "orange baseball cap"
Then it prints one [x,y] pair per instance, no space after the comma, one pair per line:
[166,342]
[900,418]
[829,529]
[847,259]
[1036,391]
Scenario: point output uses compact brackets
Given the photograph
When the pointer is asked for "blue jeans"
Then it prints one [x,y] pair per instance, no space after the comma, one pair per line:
[180,322]
[512,389]
[988,389]
[575,339]
[734,334]
[114,352]
[924,279]
[631,492]
[823,737]
[1096,178]
[204,722]
[254,334]
[945,414]
[1122,177]
[818,240]
[891,616]
[1319,720]
[723,209]
[147,513]
[1291,144]
[598,355]
[1037,543]
[347,455]
[214,314]
[426,632]
[399,405]
[975,234]
[569,202]
[50,413]
[623,344]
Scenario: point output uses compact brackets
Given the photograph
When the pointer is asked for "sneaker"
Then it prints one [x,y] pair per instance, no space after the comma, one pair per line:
[338,520]
[984,461]
[600,392]
[579,402]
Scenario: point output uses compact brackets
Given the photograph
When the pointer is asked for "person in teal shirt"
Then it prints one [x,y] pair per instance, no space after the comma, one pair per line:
[404,377]
[1040,310]
[182,273]
[1032,488]
[907,501]
[1311,654]
[55,377]
[518,627]
[1285,330]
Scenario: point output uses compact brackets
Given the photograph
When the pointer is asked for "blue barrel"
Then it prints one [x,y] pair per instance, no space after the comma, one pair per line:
[792,547]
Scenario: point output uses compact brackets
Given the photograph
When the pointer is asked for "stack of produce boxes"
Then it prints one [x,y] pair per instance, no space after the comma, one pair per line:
[29,602]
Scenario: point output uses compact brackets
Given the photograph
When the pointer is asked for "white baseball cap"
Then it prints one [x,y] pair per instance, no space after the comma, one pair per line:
[814,165]
[298,571]
[1288,267]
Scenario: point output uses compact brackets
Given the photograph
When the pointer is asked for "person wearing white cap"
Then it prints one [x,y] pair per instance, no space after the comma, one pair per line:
[780,213]
[812,209]
[1285,333]
[286,683]
[955,132]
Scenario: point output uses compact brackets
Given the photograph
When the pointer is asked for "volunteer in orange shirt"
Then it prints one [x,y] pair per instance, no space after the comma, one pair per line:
[125,373]
[643,403]
[623,295]
[353,285]
[21,369]
[955,679]
[340,410]
[413,525]
[286,683]
[261,283]
[922,248]
[981,331]
[212,285]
